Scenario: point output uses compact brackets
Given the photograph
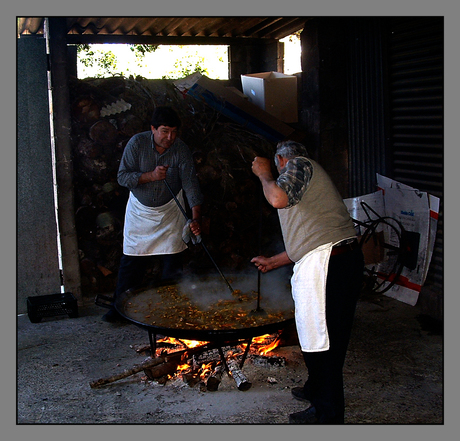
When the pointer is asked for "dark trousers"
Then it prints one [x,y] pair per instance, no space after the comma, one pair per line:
[132,269]
[324,387]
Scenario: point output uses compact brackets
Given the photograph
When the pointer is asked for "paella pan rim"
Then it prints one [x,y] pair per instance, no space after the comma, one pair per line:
[201,334]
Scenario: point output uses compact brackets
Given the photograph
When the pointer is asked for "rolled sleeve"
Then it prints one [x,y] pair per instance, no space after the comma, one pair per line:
[294,179]
[128,171]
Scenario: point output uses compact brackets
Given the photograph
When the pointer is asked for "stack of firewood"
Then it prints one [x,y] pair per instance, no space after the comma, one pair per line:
[201,366]
[106,113]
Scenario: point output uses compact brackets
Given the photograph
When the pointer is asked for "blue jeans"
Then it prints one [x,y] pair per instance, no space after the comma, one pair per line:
[324,388]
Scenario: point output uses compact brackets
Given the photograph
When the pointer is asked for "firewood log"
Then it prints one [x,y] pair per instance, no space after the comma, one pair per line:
[170,359]
[127,372]
[130,125]
[240,379]
[192,378]
[206,357]
[215,378]
[103,132]
[161,370]
[85,110]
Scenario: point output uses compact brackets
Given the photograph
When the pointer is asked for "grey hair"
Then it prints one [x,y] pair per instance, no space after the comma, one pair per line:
[290,150]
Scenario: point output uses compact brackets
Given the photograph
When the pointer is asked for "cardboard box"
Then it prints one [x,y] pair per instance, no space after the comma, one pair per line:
[234,106]
[237,91]
[274,92]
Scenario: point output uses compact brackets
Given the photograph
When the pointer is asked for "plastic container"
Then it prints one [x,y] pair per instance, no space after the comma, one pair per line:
[51,305]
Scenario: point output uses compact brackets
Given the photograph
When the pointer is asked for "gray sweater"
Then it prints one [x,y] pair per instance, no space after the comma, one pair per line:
[320,217]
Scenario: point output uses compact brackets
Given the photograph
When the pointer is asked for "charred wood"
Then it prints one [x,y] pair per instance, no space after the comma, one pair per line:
[161,370]
[211,355]
[212,384]
[192,378]
[267,361]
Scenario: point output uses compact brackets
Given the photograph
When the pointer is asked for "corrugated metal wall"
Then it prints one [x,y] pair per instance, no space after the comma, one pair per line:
[395,109]
[366,105]
[415,83]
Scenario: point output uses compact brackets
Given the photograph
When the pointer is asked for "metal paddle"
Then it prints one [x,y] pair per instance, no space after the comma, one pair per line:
[259,310]
[202,244]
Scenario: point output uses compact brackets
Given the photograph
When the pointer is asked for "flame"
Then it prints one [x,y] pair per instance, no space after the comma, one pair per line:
[188,343]
[268,348]
[265,347]
[194,343]
[205,370]
[183,367]
[170,340]
[261,338]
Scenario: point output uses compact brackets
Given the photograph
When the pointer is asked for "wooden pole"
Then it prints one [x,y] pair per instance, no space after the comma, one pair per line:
[128,372]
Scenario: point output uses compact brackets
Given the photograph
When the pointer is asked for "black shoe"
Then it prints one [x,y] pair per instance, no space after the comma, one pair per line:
[307,416]
[299,394]
[112,316]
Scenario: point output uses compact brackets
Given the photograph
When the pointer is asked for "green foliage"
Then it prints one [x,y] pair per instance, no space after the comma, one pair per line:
[140,50]
[172,61]
[143,49]
[185,67]
[106,61]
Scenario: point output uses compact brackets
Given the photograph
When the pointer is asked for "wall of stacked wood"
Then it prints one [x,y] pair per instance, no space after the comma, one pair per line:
[237,222]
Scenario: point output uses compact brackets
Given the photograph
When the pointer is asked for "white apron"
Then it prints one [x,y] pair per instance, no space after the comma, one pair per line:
[309,294]
[153,230]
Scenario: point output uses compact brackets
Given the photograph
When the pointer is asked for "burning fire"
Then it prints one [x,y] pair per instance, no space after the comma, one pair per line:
[183,367]
[264,343]
[206,369]
[183,342]
[200,363]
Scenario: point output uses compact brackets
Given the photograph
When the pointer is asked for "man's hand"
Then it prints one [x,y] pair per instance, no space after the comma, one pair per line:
[275,196]
[195,227]
[261,167]
[265,264]
[159,174]
[262,263]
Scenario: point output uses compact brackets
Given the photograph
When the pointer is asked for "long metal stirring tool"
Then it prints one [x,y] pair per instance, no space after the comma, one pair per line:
[259,310]
[202,244]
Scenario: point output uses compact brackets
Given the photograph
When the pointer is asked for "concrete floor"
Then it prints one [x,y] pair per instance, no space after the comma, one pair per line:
[393,376]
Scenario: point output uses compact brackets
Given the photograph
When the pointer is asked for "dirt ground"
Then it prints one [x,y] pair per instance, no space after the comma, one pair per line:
[393,375]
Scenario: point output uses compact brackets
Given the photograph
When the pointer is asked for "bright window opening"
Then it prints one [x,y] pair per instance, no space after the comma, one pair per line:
[106,60]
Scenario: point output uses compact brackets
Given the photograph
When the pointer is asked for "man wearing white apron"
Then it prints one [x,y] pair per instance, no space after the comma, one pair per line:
[153,221]
[320,240]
